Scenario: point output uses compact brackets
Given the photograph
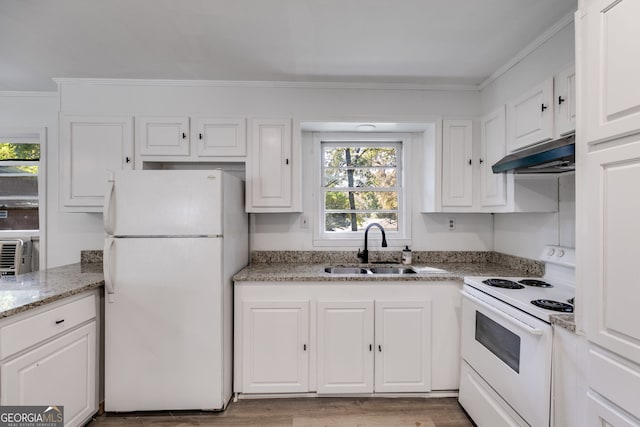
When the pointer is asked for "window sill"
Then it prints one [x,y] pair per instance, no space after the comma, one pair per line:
[394,244]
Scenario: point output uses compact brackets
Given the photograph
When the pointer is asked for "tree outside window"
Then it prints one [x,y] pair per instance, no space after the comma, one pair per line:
[360,185]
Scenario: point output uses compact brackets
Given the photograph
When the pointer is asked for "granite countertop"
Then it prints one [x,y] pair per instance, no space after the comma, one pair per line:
[301,272]
[30,290]
[564,320]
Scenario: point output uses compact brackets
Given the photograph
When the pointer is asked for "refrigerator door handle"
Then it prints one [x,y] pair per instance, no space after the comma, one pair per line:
[108,279]
[108,195]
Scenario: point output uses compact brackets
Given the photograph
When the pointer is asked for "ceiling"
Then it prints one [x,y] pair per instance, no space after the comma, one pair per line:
[420,42]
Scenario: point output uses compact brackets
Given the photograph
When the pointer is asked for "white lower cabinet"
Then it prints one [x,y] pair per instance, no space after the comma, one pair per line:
[61,367]
[345,346]
[275,343]
[351,338]
[403,346]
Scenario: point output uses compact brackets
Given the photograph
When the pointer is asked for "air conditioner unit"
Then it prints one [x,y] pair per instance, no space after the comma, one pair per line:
[15,257]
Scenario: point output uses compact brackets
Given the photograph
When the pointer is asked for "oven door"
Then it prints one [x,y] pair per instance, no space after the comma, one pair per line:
[511,351]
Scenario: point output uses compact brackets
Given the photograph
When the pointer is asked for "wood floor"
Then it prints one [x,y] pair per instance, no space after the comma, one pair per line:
[309,412]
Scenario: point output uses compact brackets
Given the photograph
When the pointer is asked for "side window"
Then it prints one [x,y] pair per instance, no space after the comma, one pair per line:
[19,168]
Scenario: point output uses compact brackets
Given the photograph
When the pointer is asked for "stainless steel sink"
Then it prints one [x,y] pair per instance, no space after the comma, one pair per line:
[346,270]
[392,270]
[371,270]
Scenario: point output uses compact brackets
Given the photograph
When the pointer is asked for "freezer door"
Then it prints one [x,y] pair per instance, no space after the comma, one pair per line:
[164,203]
[164,325]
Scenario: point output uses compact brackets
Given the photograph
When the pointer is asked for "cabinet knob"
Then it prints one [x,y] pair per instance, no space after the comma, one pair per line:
[304,347]
[200,135]
[286,161]
[184,135]
[59,321]
[470,162]
[127,159]
[544,107]
[379,348]
[560,100]
[370,347]
[481,161]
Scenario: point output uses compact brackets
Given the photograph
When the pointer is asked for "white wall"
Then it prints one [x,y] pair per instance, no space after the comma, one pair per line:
[526,234]
[66,234]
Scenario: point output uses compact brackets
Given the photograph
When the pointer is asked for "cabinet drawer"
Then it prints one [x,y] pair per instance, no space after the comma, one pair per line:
[31,330]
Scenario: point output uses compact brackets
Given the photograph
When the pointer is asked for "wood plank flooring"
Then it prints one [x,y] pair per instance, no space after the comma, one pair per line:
[308,412]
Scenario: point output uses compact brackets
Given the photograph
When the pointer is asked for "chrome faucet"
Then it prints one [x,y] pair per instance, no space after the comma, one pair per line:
[364,255]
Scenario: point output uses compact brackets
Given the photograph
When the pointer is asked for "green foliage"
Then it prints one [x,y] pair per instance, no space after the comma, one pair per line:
[9,151]
[349,167]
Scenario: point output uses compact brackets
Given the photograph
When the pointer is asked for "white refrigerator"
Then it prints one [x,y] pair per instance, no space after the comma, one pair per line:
[174,241]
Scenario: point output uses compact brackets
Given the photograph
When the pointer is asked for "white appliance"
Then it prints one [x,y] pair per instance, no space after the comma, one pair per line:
[174,241]
[506,342]
[15,256]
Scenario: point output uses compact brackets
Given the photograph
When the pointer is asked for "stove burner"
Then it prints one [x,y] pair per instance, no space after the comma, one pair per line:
[553,305]
[502,283]
[536,283]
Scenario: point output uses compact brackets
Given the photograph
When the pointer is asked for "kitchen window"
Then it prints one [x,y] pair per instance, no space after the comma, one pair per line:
[21,181]
[361,181]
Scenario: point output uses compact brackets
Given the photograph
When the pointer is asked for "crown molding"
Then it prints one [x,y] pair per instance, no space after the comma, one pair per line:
[535,44]
[26,94]
[264,84]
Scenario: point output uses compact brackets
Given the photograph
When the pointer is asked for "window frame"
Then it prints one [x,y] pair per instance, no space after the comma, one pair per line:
[32,136]
[400,237]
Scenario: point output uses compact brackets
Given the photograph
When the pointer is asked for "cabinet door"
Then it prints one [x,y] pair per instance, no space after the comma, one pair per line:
[565,100]
[89,147]
[61,372]
[611,70]
[457,163]
[402,346]
[224,137]
[610,250]
[269,165]
[493,186]
[162,136]
[602,413]
[345,346]
[530,116]
[275,346]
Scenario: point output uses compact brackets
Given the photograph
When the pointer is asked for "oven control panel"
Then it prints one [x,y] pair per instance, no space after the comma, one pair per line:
[559,255]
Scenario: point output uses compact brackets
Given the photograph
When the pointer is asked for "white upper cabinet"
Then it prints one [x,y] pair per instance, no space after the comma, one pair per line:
[530,116]
[89,147]
[459,177]
[162,136]
[611,69]
[457,163]
[273,164]
[190,139]
[220,137]
[565,100]
[493,187]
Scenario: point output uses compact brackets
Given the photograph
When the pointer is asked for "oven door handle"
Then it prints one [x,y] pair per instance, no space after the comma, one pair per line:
[502,314]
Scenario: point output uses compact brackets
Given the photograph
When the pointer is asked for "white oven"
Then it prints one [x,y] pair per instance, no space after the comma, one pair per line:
[507,339]
[511,351]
